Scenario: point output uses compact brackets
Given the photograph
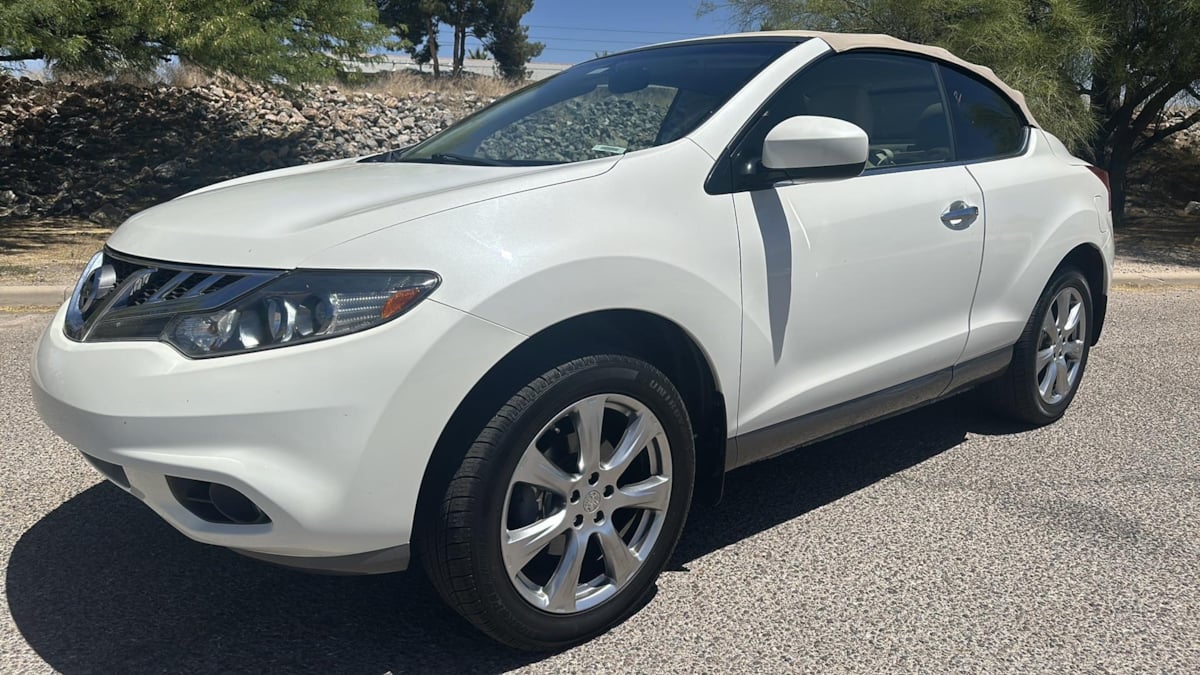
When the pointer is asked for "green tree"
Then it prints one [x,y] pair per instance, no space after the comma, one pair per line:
[417,23]
[496,23]
[506,39]
[463,16]
[1153,59]
[267,40]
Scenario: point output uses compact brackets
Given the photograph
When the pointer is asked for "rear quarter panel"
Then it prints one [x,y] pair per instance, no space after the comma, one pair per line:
[1037,209]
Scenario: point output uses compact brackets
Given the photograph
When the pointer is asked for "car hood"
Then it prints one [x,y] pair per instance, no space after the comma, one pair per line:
[278,218]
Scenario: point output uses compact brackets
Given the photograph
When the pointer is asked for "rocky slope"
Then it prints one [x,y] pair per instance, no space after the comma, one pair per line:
[105,150]
[102,151]
[1165,179]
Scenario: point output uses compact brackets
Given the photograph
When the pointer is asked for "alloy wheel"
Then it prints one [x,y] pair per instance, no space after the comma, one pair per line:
[586,504]
[1061,346]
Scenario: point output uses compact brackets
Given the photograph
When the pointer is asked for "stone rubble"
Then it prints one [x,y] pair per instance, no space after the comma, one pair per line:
[105,150]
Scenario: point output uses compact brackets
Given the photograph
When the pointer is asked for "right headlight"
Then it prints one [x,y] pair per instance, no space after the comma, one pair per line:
[297,308]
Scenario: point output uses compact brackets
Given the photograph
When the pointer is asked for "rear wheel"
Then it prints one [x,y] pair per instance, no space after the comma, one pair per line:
[1050,357]
[568,504]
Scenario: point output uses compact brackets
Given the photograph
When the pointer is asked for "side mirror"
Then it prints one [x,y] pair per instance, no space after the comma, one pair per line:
[816,147]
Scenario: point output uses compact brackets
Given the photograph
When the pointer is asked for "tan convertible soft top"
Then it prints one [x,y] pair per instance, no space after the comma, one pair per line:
[844,42]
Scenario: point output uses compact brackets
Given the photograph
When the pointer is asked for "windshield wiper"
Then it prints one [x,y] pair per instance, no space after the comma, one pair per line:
[455,158]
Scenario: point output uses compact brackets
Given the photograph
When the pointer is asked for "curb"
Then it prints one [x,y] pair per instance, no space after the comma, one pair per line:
[1173,280]
[53,296]
[34,296]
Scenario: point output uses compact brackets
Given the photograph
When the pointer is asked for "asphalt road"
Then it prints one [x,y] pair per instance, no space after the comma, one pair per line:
[940,540]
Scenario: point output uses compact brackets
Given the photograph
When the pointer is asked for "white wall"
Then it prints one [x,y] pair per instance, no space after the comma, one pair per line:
[393,62]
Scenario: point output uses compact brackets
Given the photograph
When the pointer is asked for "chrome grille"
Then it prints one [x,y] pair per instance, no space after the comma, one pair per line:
[121,290]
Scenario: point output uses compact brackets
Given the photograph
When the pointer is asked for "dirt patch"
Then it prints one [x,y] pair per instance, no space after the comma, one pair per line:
[48,251]
[21,310]
[1157,237]
[1159,244]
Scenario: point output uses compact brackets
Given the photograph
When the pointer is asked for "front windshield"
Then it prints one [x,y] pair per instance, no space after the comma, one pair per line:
[605,107]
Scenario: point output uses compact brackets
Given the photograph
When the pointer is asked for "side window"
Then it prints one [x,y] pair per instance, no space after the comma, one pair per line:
[986,124]
[895,99]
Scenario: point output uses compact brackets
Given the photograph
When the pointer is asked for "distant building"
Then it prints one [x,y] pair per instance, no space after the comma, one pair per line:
[395,62]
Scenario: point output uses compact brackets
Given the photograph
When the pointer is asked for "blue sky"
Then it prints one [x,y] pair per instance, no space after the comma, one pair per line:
[574,30]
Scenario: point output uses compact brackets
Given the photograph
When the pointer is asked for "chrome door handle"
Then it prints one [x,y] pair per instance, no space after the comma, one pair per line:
[960,215]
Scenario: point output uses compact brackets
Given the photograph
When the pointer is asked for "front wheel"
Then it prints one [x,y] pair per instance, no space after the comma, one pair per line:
[568,504]
[1050,357]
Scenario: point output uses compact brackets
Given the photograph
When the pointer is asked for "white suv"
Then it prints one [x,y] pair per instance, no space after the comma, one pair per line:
[517,350]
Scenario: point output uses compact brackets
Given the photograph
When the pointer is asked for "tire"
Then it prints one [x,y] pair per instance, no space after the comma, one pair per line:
[1025,392]
[533,605]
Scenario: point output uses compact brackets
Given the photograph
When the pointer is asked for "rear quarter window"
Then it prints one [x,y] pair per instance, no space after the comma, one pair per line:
[986,124]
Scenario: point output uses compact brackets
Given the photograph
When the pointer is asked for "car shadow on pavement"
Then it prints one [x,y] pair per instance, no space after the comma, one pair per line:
[102,585]
[763,495]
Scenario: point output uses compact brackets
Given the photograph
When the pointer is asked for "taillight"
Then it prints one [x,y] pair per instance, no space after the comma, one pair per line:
[1103,176]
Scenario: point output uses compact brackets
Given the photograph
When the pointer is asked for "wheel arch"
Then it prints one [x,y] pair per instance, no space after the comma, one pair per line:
[1088,259]
[637,333]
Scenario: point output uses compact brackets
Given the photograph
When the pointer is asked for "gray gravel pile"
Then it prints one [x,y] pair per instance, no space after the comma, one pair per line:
[105,150]
[1188,139]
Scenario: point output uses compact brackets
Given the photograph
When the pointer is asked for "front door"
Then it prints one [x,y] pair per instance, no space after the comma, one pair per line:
[853,286]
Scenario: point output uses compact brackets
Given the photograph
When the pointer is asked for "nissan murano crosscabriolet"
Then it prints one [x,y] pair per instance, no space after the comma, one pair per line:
[517,352]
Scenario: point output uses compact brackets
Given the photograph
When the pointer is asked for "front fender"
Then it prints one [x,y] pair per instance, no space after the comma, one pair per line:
[531,259]
[709,314]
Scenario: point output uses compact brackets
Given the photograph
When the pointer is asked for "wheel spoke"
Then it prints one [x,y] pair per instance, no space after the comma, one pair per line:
[563,585]
[522,544]
[1073,317]
[1047,382]
[1062,379]
[652,494]
[1063,302]
[641,429]
[588,418]
[536,469]
[1044,357]
[1049,327]
[619,562]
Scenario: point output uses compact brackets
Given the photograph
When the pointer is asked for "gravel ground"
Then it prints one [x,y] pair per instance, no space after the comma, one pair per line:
[937,541]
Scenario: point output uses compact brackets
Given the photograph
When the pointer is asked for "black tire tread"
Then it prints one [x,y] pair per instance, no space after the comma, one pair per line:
[446,540]
[1008,394]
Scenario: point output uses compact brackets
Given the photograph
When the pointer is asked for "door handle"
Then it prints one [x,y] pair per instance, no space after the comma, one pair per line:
[960,215]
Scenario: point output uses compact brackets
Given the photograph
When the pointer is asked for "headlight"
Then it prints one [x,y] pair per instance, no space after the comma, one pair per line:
[299,307]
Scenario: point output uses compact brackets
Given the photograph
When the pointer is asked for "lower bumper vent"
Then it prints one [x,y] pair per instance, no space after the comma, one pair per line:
[113,472]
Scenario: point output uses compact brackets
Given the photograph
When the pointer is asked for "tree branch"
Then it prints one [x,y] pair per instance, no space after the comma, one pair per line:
[1164,132]
[1152,109]
[1125,114]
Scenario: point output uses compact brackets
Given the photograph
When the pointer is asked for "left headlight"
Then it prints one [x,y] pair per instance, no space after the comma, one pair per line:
[299,307]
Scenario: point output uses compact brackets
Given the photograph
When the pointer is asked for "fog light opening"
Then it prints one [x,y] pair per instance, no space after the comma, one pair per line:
[215,503]
[234,505]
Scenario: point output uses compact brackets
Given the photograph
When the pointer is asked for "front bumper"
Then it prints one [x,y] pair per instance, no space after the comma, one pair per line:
[329,439]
